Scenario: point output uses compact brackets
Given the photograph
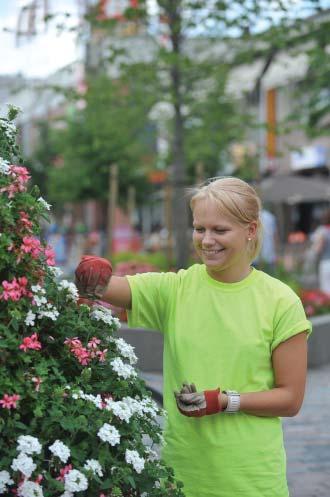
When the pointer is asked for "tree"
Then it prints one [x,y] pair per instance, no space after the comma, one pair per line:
[75,417]
[111,127]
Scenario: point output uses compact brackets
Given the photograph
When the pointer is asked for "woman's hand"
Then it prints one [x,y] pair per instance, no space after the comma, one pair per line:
[92,276]
[196,404]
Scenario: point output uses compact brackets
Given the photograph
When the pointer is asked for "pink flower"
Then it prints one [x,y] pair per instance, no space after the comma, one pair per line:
[101,354]
[9,401]
[24,220]
[50,256]
[31,246]
[20,174]
[31,342]
[64,471]
[15,289]
[93,343]
[20,178]
[73,343]
[80,352]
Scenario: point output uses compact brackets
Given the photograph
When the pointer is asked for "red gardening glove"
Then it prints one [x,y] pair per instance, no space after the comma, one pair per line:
[92,276]
[197,404]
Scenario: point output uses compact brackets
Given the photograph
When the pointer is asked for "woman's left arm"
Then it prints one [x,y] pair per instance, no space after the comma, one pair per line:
[290,369]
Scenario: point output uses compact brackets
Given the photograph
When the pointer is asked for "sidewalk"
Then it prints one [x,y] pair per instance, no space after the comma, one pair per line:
[306,436]
[307,439]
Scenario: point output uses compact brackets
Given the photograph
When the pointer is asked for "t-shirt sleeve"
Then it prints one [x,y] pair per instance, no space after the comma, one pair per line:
[290,322]
[152,294]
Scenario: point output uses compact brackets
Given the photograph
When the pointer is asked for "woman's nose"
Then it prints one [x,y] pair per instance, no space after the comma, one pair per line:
[207,238]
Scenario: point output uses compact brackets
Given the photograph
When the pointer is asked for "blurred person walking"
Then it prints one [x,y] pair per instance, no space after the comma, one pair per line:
[268,256]
[320,251]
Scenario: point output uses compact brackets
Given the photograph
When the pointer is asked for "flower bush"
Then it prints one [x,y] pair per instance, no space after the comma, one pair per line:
[315,302]
[75,418]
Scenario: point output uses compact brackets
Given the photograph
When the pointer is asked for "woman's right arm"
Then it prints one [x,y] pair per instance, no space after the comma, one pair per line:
[118,292]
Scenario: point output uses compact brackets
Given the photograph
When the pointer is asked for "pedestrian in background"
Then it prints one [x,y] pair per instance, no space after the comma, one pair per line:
[235,352]
[268,256]
[320,251]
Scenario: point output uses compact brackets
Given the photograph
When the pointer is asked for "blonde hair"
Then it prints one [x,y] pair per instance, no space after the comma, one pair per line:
[237,200]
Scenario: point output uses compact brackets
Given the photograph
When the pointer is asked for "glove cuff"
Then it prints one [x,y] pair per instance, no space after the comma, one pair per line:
[213,404]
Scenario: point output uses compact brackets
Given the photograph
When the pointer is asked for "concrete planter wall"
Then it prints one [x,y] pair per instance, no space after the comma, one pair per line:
[319,342]
[149,345]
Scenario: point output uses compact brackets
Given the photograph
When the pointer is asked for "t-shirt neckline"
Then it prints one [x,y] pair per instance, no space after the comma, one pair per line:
[231,287]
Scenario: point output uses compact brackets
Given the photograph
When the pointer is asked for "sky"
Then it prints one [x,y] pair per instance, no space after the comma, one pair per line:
[40,55]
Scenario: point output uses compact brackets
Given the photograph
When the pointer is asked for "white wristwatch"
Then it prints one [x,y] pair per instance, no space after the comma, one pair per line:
[234,401]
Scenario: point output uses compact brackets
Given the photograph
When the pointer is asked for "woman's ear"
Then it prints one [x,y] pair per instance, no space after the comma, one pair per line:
[252,229]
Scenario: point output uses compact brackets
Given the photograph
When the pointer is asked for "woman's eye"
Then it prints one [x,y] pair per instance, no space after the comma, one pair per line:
[199,230]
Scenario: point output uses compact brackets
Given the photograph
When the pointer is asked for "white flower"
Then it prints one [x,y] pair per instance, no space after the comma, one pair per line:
[126,350]
[157,484]
[94,466]
[132,457]
[44,203]
[100,313]
[122,369]
[14,107]
[39,301]
[71,288]
[28,445]
[60,450]
[4,166]
[30,489]
[55,271]
[49,312]
[120,409]
[24,464]
[75,481]
[38,289]
[67,494]
[30,319]
[152,455]
[109,433]
[4,481]
[149,406]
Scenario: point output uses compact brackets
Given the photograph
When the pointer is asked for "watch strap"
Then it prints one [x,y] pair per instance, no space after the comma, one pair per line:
[234,401]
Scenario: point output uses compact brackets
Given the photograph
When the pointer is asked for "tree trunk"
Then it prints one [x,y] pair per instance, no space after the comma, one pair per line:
[178,179]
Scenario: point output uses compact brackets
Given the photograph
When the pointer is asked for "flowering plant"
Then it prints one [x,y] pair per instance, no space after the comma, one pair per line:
[74,415]
[315,302]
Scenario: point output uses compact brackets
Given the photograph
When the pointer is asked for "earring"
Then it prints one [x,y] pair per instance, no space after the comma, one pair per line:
[249,239]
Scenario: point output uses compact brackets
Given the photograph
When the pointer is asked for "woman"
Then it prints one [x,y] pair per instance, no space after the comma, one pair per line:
[236,333]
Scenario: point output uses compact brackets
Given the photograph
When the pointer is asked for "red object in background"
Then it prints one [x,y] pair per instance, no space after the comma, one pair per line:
[157,176]
[125,238]
[114,9]
[297,237]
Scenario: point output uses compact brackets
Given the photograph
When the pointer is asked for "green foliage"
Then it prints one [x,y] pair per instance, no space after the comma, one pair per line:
[156,259]
[112,128]
[64,374]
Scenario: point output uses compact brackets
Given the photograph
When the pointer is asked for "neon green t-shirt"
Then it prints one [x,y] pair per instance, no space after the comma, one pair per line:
[220,334]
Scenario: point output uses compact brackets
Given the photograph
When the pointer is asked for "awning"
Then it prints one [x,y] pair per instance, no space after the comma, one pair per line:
[288,189]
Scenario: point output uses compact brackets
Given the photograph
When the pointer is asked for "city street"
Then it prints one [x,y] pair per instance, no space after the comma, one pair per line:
[307,436]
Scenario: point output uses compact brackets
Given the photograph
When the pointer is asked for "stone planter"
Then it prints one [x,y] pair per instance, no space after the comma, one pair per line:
[319,341]
[149,345]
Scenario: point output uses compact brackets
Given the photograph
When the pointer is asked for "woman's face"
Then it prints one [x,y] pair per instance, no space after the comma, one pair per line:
[220,242]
